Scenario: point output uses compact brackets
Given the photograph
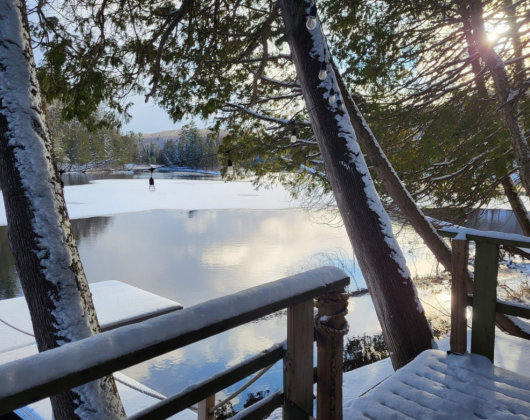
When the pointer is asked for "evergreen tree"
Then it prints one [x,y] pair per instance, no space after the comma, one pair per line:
[190,147]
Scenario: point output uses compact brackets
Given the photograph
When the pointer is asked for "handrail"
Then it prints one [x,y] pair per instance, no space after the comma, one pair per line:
[497,238]
[507,308]
[484,299]
[74,364]
[198,392]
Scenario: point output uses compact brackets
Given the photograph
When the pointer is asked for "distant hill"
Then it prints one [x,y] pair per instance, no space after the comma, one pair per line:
[162,137]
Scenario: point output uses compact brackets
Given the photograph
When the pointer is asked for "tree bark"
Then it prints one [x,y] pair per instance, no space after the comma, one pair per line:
[40,233]
[405,327]
[391,182]
[507,110]
[517,204]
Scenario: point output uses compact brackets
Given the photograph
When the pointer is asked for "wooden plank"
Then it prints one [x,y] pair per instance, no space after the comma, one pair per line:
[506,308]
[298,362]
[100,355]
[485,299]
[487,239]
[203,412]
[262,408]
[460,255]
[330,343]
[223,380]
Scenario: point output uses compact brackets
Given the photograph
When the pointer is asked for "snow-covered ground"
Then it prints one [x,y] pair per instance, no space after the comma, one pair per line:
[108,197]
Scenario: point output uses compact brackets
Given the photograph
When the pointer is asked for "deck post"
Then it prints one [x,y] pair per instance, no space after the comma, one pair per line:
[203,412]
[485,299]
[298,363]
[460,255]
[331,327]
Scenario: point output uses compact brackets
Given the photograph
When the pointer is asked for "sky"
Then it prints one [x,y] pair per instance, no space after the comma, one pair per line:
[150,118]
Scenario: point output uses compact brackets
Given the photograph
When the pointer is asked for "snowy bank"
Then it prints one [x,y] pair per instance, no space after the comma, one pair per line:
[109,197]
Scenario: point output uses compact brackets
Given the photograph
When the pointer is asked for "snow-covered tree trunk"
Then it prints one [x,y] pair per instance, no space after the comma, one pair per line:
[400,313]
[507,107]
[401,197]
[391,182]
[40,232]
[516,204]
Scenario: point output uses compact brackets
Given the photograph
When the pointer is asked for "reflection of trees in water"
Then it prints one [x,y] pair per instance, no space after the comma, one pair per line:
[9,280]
[91,227]
[363,350]
[337,257]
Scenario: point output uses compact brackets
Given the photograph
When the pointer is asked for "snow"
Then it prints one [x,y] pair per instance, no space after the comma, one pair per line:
[134,305]
[133,401]
[108,197]
[437,385]
[463,232]
[511,355]
[110,345]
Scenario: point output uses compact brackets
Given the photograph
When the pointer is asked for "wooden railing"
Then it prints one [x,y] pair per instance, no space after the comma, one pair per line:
[484,298]
[49,373]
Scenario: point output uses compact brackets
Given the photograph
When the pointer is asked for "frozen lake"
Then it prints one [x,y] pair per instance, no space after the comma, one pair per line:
[195,255]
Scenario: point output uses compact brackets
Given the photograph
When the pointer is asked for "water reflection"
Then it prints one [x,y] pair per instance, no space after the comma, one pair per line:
[194,256]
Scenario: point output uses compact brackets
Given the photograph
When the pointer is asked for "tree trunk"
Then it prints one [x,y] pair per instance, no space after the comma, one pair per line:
[399,194]
[391,182]
[508,111]
[517,204]
[40,232]
[400,313]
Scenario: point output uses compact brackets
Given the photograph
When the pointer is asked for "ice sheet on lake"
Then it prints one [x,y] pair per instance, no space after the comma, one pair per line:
[108,197]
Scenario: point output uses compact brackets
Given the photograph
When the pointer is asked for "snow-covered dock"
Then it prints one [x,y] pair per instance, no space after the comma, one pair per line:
[135,305]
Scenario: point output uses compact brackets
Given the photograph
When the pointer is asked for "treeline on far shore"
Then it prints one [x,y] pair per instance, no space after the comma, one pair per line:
[79,149]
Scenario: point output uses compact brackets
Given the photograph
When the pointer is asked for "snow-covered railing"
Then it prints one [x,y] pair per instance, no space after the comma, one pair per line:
[49,373]
[484,298]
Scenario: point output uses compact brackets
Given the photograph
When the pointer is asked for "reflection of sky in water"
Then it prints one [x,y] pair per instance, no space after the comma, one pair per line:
[194,256]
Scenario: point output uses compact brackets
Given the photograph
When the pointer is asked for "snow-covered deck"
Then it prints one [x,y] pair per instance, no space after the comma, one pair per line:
[438,385]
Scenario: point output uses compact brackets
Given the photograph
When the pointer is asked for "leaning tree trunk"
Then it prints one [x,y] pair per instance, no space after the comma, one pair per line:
[516,204]
[400,313]
[40,232]
[401,197]
[390,180]
[514,199]
[507,108]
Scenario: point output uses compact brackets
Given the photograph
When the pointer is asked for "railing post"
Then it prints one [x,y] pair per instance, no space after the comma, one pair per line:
[485,299]
[203,412]
[460,256]
[298,363]
[331,327]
